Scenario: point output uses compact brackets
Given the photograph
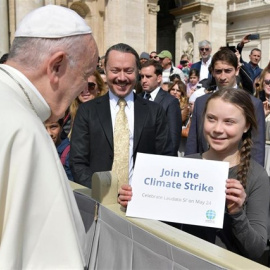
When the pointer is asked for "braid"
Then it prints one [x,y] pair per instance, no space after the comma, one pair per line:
[244,159]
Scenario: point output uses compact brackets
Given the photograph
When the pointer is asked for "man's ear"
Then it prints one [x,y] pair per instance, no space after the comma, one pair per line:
[237,71]
[56,65]
[159,78]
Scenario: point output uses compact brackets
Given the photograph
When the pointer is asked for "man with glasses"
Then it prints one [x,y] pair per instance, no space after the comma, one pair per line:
[165,59]
[153,56]
[205,49]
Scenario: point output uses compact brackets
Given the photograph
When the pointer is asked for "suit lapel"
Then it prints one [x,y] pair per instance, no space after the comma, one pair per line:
[104,114]
[140,115]
[159,96]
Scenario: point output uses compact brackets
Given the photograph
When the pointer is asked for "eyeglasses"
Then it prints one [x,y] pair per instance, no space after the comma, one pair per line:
[91,86]
[204,49]
[267,82]
[153,56]
[173,90]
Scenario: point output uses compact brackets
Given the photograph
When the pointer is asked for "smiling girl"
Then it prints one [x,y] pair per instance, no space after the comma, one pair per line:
[229,118]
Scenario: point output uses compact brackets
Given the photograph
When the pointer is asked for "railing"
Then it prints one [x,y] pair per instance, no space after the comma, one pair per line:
[247,4]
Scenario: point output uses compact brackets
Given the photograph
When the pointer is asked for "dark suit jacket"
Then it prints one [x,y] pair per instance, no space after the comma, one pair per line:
[92,136]
[196,142]
[172,109]
[197,66]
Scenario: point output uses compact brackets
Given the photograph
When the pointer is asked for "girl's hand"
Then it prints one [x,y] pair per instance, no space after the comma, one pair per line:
[235,196]
[124,195]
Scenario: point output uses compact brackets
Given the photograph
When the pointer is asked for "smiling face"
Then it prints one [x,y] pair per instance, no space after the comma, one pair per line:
[90,91]
[121,72]
[224,125]
[224,74]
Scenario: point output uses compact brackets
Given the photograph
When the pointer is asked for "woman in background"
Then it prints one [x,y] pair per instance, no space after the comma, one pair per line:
[178,90]
[95,88]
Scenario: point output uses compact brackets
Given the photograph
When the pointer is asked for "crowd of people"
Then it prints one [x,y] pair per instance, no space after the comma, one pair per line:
[101,111]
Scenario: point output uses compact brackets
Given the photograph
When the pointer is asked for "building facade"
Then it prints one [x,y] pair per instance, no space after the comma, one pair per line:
[147,25]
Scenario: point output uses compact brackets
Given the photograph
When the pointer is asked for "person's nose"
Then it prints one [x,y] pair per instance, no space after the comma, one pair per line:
[85,89]
[218,128]
[122,76]
[222,75]
[143,79]
[50,132]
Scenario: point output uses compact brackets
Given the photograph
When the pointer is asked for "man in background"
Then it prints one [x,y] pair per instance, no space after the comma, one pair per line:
[151,77]
[205,49]
[252,66]
[144,57]
[51,57]
[165,59]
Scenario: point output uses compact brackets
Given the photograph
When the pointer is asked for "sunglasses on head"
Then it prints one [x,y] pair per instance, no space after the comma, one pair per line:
[267,82]
[204,49]
[91,85]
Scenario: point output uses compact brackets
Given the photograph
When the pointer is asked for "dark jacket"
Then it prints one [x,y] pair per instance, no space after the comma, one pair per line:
[92,136]
[172,109]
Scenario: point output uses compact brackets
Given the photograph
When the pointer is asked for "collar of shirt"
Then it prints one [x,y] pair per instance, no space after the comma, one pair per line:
[153,94]
[207,62]
[114,99]
[235,87]
[253,67]
[42,107]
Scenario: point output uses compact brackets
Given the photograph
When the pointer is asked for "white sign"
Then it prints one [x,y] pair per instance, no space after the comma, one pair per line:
[182,190]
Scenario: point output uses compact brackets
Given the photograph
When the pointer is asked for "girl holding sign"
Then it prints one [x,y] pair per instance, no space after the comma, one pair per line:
[229,118]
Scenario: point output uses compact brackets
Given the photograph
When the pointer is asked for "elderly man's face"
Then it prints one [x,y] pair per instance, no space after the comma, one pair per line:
[205,52]
[71,79]
[121,71]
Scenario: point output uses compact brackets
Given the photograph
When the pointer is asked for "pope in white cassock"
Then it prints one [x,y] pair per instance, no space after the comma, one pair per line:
[52,56]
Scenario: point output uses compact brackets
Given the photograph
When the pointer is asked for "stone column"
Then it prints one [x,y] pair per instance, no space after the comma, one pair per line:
[201,32]
[151,26]
[23,7]
[4,31]
[265,47]
[178,40]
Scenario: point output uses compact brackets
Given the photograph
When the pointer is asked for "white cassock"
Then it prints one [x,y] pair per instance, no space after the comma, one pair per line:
[40,224]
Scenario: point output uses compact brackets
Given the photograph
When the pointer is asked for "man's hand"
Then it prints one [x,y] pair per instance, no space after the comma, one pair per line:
[124,195]
[244,40]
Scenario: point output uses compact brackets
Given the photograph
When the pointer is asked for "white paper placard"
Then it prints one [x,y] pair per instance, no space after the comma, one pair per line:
[182,190]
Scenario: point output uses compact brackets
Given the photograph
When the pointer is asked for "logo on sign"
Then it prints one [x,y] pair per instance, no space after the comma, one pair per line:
[210,214]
